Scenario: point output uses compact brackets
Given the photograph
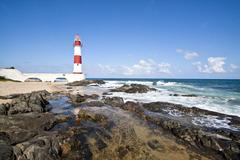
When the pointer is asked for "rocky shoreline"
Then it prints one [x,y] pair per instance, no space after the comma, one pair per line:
[102,127]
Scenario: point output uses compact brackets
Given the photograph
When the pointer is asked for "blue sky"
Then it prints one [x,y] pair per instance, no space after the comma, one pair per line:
[123,38]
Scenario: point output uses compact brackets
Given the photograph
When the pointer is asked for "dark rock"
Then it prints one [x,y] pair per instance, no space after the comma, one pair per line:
[6,150]
[184,95]
[198,138]
[155,145]
[75,145]
[86,82]
[160,106]
[133,88]
[21,127]
[31,102]
[134,107]
[5,137]
[106,93]
[114,101]
[62,118]
[92,104]
[100,144]
[90,116]
[11,96]
[40,147]
[78,98]
[93,96]
[219,142]
[174,94]
[122,151]
[154,83]
[189,95]
[3,109]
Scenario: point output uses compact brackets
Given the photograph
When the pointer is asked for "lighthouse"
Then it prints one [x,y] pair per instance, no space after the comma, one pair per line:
[77,66]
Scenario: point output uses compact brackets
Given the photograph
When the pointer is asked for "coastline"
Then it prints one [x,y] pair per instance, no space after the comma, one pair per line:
[85,121]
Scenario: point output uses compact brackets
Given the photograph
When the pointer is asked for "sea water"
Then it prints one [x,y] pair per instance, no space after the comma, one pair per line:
[219,95]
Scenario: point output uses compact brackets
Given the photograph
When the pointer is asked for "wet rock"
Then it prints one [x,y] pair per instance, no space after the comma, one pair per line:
[31,102]
[3,109]
[40,147]
[6,150]
[189,95]
[93,96]
[174,94]
[11,96]
[62,118]
[21,127]
[106,93]
[114,101]
[155,145]
[154,83]
[184,95]
[101,144]
[159,106]
[86,82]
[222,143]
[122,151]
[92,104]
[78,98]
[193,111]
[90,116]
[133,88]
[75,145]
[198,138]
[134,107]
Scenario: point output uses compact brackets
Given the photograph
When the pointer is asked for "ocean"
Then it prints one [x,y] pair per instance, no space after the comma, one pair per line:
[219,95]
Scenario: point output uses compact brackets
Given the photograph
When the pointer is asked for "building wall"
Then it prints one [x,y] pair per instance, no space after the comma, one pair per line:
[51,77]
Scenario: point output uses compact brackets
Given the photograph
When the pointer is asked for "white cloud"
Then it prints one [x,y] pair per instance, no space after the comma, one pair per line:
[143,67]
[179,50]
[164,68]
[188,55]
[233,67]
[107,68]
[214,65]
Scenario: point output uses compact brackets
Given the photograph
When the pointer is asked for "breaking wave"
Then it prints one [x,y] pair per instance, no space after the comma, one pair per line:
[205,97]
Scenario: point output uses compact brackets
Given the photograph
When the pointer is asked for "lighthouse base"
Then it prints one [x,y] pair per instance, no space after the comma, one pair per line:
[15,74]
[75,77]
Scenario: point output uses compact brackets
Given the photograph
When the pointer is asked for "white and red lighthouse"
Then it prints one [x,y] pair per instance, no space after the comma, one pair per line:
[77,67]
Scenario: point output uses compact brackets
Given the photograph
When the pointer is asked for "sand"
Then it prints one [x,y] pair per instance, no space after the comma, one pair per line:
[7,88]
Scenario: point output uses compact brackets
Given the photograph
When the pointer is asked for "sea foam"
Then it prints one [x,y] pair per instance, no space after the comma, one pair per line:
[205,97]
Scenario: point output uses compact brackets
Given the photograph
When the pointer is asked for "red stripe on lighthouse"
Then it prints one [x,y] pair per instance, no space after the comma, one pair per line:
[77,43]
[77,59]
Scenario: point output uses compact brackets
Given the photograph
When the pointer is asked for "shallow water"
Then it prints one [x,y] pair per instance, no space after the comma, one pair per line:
[129,137]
